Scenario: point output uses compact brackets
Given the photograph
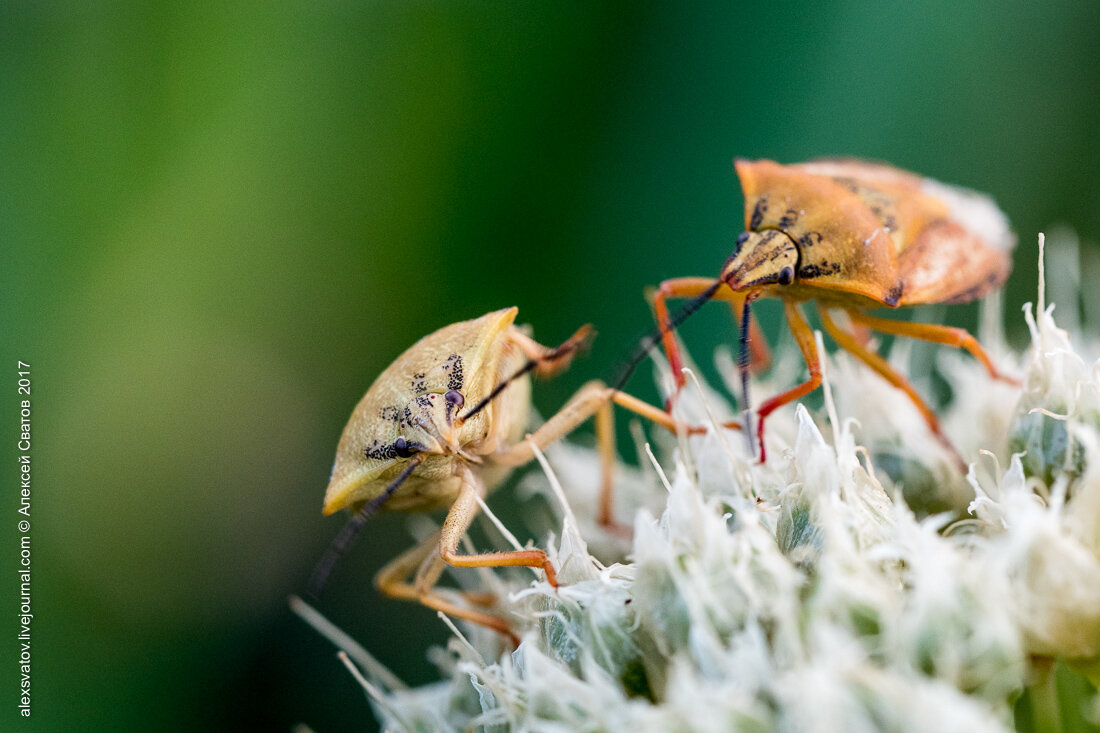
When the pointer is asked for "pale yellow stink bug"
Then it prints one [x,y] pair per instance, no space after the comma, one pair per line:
[442,426]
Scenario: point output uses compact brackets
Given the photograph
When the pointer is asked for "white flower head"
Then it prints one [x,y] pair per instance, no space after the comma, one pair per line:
[842,586]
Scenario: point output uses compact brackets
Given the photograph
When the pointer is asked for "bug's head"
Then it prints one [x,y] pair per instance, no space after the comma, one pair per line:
[762,258]
[423,430]
[429,425]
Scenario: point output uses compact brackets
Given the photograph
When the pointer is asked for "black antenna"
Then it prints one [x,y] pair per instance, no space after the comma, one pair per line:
[575,342]
[654,336]
[528,366]
[343,541]
[743,367]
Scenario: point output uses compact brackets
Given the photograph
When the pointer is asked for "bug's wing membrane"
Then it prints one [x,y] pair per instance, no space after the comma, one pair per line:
[842,243]
[948,264]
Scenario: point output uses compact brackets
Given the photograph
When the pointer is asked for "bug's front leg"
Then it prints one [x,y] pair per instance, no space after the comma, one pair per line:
[693,287]
[549,362]
[805,339]
[458,520]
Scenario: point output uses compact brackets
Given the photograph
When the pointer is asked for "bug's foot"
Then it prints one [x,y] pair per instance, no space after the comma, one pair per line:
[551,574]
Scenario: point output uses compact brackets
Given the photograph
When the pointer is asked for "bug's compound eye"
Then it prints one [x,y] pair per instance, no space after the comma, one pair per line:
[404,448]
[741,239]
[786,275]
[455,398]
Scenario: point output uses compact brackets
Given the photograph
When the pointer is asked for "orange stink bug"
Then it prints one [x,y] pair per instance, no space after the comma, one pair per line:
[852,235]
[443,425]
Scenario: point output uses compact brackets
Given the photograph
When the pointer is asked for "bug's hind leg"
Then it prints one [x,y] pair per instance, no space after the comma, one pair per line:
[805,339]
[847,342]
[948,335]
[424,559]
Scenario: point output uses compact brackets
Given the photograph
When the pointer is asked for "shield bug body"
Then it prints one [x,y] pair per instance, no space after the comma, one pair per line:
[442,426]
[853,235]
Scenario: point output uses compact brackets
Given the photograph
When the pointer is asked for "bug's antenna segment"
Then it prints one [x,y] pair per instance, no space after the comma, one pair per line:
[743,368]
[527,367]
[347,536]
[575,343]
[653,338]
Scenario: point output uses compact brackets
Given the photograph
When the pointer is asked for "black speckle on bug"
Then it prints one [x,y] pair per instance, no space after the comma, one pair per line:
[757,217]
[418,384]
[389,413]
[380,451]
[848,183]
[808,272]
[423,401]
[892,295]
[810,239]
[453,366]
[788,219]
[408,415]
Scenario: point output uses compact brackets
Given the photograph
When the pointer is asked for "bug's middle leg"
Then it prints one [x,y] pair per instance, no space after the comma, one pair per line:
[847,342]
[948,335]
[458,520]
[594,399]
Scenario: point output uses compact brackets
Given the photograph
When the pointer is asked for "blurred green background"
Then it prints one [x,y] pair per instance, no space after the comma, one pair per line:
[220,221]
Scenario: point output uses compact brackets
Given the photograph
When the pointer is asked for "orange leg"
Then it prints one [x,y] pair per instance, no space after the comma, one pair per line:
[693,287]
[392,581]
[805,339]
[594,399]
[948,335]
[458,520]
[605,439]
[847,342]
[549,362]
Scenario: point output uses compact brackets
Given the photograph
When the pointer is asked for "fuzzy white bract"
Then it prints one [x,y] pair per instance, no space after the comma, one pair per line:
[856,582]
